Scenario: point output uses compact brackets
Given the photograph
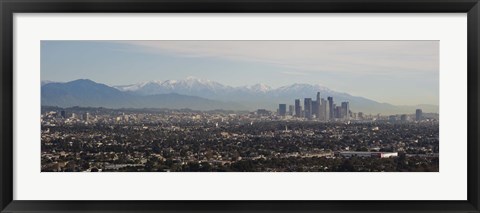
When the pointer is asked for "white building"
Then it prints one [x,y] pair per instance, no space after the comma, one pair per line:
[369,154]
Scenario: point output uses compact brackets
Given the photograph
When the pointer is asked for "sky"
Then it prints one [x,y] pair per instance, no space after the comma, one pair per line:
[395,72]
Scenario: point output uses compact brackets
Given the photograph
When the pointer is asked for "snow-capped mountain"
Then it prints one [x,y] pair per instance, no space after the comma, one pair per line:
[255,96]
[215,90]
[136,87]
[301,89]
[194,85]
[191,86]
[257,88]
[87,93]
[252,97]
[261,95]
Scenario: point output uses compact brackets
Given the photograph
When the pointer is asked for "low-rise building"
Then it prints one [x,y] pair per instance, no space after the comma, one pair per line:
[368,154]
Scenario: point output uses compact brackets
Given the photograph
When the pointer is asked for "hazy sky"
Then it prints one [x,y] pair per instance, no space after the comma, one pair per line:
[396,72]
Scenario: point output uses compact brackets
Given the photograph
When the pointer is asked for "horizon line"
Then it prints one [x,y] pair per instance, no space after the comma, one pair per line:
[271,88]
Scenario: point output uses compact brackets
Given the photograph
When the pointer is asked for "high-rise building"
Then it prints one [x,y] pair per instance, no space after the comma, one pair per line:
[63,114]
[315,109]
[345,111]
[291,110]
[418,114]
[335,114]
[324,110]
[308,108]
[331,114]
[298,108]
[338,111]
[403,117]
[282,109]
[317,105]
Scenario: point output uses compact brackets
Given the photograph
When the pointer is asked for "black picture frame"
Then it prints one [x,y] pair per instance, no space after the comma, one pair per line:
[9,7]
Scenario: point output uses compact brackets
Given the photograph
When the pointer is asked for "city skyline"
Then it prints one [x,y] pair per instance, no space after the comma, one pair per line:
[249,85]
[252,85]
[325,109]
[395,68]
[198,94]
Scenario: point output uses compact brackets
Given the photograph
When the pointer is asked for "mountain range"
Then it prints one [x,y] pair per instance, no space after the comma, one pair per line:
[87,93]
[202,94]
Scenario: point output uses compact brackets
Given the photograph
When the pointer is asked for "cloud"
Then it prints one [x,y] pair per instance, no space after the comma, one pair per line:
[295,73]
[353,57]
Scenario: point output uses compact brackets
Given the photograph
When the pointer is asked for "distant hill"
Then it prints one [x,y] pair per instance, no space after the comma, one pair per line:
[87,93]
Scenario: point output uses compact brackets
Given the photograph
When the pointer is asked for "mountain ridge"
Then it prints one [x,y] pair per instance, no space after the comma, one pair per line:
[246,97]
[87,93]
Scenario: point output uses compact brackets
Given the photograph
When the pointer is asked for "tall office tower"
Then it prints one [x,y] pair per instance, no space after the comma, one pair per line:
[308,108]
[317,106]
[403,117]
[315,109]
[323,110]
[338,111]
[346,110]
[291,110]
[298,108]
[418,114]
[335,114]
[63,114]
[282,109]
[331,109]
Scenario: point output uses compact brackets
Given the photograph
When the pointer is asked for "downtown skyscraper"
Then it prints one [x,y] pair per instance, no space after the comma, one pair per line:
[331,107]
[298,108]
[308,108]
[318,109]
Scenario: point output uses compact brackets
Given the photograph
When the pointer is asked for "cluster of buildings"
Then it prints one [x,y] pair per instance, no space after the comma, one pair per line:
[327,110]
[82,116]
[100,139]
[319,109]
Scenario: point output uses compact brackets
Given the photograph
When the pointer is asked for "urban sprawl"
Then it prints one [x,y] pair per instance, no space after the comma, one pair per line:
[316,137]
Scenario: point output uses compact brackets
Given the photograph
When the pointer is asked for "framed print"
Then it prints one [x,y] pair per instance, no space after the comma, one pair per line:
[251,106]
